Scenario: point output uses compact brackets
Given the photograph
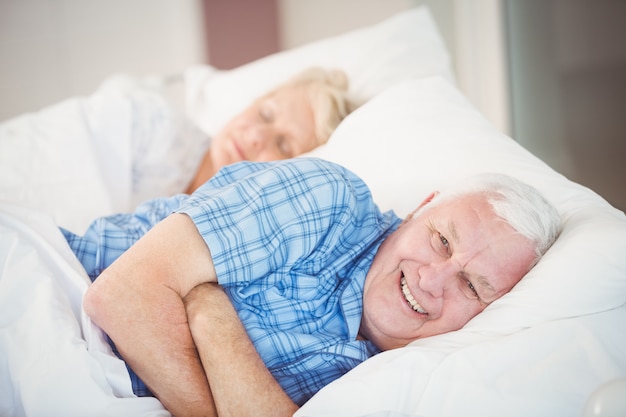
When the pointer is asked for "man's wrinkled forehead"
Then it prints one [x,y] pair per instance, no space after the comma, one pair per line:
[450,203]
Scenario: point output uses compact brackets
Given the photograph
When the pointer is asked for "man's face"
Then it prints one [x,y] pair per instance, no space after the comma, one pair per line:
[439,269]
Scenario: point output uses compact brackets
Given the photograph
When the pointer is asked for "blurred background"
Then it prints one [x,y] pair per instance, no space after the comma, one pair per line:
[550,73]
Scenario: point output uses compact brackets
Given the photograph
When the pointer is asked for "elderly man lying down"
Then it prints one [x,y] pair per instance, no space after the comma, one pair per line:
[321,280]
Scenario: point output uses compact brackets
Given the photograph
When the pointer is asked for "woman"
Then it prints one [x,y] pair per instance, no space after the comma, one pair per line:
[293,118]
[131,140]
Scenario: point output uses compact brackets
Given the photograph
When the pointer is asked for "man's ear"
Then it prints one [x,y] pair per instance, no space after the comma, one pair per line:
[422,204]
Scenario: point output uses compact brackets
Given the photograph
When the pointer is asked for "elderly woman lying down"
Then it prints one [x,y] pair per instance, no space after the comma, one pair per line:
[143,145]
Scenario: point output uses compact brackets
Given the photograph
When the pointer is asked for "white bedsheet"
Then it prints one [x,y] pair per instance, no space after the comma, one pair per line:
[465,374]
[53,360]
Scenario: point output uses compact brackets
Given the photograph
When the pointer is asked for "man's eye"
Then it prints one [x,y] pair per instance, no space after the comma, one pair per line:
[471,287]
[468,289]
[444,242]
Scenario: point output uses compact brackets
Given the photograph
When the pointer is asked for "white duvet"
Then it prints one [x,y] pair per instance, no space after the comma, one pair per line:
[53,360]
[99,154]
[65,165]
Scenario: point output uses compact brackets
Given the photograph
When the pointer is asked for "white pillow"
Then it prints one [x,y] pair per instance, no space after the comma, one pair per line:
[402,47]
[407,142]
[419,135]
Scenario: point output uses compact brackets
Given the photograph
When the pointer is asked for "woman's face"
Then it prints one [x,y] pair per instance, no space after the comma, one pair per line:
[276,126]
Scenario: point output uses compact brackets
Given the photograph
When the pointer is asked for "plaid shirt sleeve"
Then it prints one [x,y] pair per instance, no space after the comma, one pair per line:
[290,212]
[109,237]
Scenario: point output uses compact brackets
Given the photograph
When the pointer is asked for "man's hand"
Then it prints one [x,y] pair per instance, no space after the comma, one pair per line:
[241,384]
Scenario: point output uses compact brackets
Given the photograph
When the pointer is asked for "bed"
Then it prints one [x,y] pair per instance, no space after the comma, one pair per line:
[551,347]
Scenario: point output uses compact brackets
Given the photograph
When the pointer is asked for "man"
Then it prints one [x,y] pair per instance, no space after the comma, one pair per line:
[320,279]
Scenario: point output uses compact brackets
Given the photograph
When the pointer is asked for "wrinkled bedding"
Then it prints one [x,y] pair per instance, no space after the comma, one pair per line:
[53,360]
[99,154]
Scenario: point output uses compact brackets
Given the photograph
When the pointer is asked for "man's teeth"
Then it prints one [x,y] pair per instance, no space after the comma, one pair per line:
[409,297]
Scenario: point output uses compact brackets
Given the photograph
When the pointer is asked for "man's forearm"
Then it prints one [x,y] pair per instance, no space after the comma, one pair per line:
[239,380]
[138,302]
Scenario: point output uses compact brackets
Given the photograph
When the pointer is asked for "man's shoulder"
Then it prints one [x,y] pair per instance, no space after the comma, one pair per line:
[323,168]
[287,172]
[311,164]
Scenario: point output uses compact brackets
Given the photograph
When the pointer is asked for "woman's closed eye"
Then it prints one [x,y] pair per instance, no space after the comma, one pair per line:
[284,147]
[266,114]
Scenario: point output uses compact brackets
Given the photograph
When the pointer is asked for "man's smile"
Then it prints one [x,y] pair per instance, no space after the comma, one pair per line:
[409,297]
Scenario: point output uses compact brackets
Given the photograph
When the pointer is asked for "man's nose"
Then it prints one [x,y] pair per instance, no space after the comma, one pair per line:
[436,277]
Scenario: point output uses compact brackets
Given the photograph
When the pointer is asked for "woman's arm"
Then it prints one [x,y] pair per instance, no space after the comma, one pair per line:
[137,301]
[241,383]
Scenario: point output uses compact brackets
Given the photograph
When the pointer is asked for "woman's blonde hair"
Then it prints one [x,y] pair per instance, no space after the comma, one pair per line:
[328,96]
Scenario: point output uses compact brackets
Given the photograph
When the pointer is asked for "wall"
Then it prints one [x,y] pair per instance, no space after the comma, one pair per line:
[303,21]
[239,31]
[568,67]
[53,49]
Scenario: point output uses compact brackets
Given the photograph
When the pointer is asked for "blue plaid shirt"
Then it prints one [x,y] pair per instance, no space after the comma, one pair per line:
[291,242]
